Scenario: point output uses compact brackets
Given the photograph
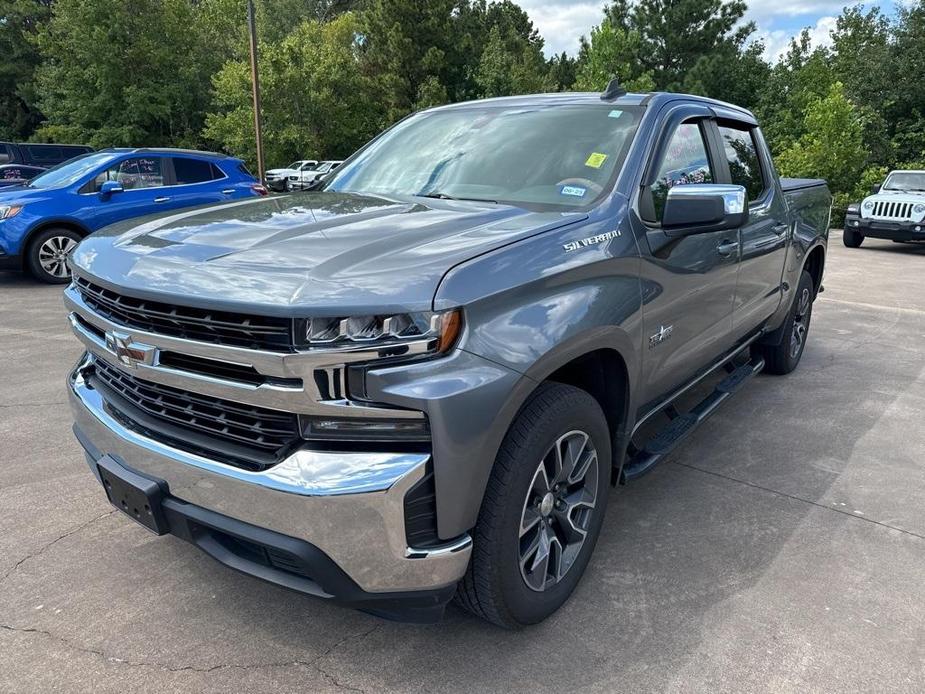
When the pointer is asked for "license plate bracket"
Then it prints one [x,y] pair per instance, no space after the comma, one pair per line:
[136,496]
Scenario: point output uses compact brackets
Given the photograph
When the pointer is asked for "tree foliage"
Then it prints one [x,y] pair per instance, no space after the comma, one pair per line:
[335,72]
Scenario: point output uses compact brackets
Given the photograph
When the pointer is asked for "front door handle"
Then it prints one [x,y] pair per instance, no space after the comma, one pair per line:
[228,191]
[727,248]
[162,199]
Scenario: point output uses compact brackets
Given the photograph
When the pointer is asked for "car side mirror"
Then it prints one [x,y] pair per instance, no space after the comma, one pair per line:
[703,207]
[109,188]
[874,189]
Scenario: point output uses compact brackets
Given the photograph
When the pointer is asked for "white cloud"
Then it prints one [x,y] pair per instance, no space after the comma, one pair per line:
[777,41]
[562,22]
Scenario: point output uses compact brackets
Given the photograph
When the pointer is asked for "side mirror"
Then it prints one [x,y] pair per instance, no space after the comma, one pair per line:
[874,189]
[110,187]
[702,207]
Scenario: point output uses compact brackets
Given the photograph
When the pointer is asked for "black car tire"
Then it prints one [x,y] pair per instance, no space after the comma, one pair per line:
[45,256]
[495,586]
[783,358]
[852,238]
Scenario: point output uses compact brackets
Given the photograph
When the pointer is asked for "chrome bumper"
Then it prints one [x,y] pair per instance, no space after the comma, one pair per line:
[348,505]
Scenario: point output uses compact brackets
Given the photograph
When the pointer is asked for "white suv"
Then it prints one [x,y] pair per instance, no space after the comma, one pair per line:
[303,179]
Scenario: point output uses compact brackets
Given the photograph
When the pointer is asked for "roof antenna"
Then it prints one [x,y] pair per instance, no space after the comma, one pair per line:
[614,90]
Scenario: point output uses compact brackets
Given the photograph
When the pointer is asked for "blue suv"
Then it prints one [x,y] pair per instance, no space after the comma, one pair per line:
[43,220]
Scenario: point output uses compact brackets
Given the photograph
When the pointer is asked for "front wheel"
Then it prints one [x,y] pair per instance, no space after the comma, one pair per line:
[783,358]
[48,252]
[542,511]
[852,238]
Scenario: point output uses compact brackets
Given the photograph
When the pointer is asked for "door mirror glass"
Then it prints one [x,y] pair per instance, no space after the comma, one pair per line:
[110,187]
[703,207]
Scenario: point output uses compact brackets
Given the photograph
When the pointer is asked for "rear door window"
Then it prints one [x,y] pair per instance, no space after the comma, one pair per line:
[742,155]
[189,171]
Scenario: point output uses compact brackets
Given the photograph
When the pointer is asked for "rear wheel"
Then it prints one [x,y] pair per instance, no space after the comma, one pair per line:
[783,358]
[852,238]
[542,511]
[48,252]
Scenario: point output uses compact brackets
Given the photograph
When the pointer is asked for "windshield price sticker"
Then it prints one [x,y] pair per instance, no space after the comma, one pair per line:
[596,160]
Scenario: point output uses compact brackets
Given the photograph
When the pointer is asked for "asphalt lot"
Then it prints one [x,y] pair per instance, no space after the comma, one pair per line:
[781,549]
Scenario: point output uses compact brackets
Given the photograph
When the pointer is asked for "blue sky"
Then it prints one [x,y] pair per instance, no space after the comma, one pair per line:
[561,22]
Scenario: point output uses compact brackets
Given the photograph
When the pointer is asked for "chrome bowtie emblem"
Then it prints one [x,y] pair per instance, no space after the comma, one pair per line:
[127,351]
[664,332]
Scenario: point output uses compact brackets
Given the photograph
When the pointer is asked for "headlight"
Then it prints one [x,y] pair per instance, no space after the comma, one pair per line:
[7,211]
[442,328]
[868,204]
[919,209]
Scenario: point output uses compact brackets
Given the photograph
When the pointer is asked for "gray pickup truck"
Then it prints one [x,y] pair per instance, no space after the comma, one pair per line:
[421,381]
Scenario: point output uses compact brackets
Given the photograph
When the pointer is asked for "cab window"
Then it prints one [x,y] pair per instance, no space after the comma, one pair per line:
[685,162]
[134,174]
[742,155]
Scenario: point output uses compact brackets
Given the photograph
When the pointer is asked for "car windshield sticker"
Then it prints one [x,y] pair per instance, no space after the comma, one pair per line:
[596,160]
[574,191]
[615,114]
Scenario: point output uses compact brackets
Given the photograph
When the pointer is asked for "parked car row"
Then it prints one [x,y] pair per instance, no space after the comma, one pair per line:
[43,218]
[37,154]
[306,178]
[894,211]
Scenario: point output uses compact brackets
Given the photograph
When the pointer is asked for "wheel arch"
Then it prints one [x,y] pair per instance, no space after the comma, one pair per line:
[814,264]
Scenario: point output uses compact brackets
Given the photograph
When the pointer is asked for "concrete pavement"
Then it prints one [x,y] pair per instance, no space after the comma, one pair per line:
[781,549]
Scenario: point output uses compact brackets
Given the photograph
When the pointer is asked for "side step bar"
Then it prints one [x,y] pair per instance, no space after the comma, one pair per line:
[680,427]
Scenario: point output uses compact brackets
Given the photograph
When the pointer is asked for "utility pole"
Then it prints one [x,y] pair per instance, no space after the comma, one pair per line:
[255,83]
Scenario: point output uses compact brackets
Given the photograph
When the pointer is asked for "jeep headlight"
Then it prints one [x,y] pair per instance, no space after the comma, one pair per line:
[7,211]
[868,204]
[441,329]
[919,209]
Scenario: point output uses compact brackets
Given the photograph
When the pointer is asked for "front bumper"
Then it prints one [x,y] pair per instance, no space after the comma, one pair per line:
[345,508]
[10,262]
[893,231]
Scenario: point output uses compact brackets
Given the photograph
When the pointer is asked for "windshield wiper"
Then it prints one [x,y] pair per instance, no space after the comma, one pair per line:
[444,196]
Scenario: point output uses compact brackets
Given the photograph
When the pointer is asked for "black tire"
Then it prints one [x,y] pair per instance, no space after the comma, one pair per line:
[46,252]
[495,586]
[783,358]
[852,238]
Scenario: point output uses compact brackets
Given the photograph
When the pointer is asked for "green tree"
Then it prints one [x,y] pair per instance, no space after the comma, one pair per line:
[19,58]
[509,65]
[675,34]
[831,146]
[612,51]
[317,101]
[906,108]
[733,73]
[118,73]
[562,71]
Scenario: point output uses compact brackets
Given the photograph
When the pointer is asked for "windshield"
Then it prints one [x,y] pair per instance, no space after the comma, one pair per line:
[906,180]
[70,171]
[564,156]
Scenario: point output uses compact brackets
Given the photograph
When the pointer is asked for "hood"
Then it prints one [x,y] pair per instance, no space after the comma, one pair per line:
[276,172]
[305,254]
[20,194]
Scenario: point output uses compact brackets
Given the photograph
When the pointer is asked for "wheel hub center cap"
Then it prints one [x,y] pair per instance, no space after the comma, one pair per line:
[547,503]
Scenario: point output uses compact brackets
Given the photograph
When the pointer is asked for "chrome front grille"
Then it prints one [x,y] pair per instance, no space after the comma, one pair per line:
[243,435]
[216,327]
[884,209]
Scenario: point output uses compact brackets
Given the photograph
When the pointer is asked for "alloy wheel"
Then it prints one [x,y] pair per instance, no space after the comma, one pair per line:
[557,510]
[800,324]
[53,255]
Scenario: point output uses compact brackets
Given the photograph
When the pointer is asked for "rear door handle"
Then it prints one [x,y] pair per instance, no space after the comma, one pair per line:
[727,248]
[228,191]
[162,199]
[780,228]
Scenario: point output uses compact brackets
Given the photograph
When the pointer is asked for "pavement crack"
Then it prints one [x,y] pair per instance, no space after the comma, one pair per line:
[776,492]
[312,664]
[48,545]
[33,404]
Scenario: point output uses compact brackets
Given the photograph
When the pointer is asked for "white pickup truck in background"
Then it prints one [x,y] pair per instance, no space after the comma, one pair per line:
[303,179]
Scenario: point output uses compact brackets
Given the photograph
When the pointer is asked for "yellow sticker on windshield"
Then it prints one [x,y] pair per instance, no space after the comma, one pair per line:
[596,160]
